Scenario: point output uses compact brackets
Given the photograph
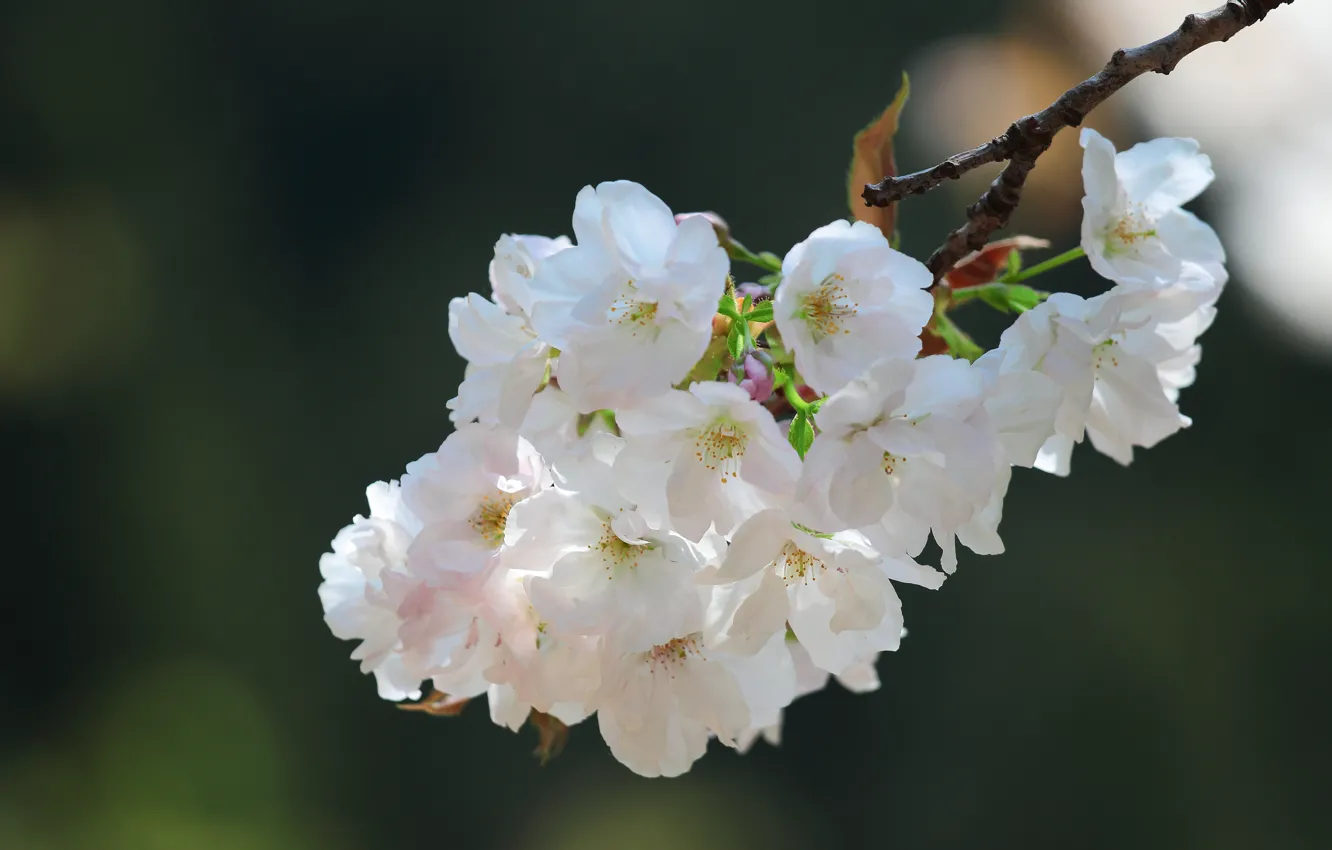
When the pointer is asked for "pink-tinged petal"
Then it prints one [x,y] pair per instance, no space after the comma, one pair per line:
[755,545]
[673,411]
[710,695]
[908,571]
[522,379]
[771,466]
[861,492]
[760,616]
[862,598]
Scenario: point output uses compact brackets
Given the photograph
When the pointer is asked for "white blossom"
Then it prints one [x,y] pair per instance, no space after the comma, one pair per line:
[1133,229]
[535,666]
[847,299]
[833,590]
[596,537]
[463,494]
[517,258]
[709,456]
[631,305]
[408,626]
[506,365]
[657,708]
[908,448]
[1119,360]
[606,573]
[506,362]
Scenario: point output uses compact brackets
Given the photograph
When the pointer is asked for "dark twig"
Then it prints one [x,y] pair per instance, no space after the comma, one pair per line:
[987,215]
[1025,134]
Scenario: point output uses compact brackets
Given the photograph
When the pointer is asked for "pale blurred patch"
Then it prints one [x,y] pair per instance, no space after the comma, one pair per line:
[1260,108]
[72,294]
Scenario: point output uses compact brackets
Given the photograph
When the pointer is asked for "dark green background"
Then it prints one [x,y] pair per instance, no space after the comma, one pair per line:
[228,237]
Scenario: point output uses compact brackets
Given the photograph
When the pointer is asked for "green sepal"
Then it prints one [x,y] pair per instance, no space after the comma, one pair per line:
[735,340]
[1009,297]
[762,312]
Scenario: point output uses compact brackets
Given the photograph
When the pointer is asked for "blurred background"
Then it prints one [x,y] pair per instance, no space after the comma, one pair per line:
[229,233]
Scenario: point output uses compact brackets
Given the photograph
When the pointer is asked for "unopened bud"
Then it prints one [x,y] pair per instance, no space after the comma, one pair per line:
[757,291]
[754,375]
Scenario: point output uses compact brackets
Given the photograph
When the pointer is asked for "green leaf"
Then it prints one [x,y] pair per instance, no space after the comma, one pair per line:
[761,312]
[801,435]
[771,279]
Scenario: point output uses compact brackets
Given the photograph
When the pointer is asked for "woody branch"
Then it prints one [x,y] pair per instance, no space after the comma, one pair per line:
[1027,138]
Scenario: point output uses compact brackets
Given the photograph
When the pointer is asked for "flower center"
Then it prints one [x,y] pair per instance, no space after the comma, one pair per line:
[674,653]
[1126,234]
[795,564]
[1106,351]
[628,310]
[616,553]
[519,264]
[827,308]
[720,447]
[490,516]
[892,462]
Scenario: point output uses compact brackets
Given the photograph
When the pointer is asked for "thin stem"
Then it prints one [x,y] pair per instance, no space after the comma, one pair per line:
[793,395]
[962,296]
[1041,268]
[766,261]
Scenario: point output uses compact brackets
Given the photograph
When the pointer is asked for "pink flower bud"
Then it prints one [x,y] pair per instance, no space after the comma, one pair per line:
[757,377]
[754,290]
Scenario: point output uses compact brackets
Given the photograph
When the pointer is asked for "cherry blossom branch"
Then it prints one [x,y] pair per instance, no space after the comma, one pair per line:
[1027,138]
[987,215]
[1069,110]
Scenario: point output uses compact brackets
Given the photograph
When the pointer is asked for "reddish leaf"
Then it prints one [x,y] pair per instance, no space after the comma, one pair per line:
[552,735]
[931,343]
[872,160]
[987,264]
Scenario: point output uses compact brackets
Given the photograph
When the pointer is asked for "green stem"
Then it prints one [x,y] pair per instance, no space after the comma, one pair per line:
[962,296]
[1040,268]
[766,261]
[793,396]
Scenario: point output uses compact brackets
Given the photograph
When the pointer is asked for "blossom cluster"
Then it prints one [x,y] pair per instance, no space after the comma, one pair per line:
[619,526]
